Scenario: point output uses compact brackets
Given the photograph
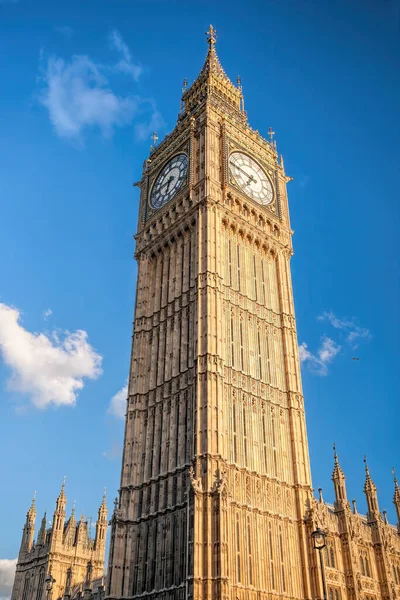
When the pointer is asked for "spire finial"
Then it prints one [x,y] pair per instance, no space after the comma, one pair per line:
[354,506]
[366,465]
[271,133]
[394,476]
[212,36]
[184,85]
[335,456]
[320,495]
[73,508]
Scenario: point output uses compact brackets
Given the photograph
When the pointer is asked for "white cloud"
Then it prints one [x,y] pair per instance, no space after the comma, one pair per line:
[47,313]
[78,95]
[47,369]
[65,30]
[125,64]
[117,405]
[7,574]
[114,453]
[319,362]
[353,331]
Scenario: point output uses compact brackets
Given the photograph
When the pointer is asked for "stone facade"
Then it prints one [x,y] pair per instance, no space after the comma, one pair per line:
[64,551]
[216,500]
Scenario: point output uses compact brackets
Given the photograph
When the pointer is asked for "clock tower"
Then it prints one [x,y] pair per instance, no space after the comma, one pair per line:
[215,481]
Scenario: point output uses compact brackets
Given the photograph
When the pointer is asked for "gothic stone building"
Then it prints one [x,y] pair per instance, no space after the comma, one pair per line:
[216,501]
[66,552]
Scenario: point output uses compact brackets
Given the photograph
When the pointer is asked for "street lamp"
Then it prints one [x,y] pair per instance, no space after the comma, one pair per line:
[49,585]
[319,539]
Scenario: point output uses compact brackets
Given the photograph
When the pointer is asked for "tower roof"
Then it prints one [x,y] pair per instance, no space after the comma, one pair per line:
[369,485]
[396,497]
[212,77]
[337,469]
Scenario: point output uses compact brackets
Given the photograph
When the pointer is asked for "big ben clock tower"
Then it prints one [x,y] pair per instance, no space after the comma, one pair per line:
[215,478]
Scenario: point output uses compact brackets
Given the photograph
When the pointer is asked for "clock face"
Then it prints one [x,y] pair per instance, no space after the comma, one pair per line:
[251,178]
[169,180]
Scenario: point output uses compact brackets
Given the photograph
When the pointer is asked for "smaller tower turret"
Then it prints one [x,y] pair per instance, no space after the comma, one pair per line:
[41,540]
[339,483]
[396,499]
[371,495]
[59,515]
[28,534]
[101,526]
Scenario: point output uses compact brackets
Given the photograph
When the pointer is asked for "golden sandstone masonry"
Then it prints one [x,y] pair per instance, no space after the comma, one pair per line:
[64,556]
[216,500]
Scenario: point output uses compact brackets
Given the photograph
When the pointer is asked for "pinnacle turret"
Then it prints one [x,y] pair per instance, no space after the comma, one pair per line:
[396,498]
[371,495]
[339,480]
[101,524]
[41,540]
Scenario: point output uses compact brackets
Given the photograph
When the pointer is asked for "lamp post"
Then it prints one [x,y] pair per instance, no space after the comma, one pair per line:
[319,539]
[49,585]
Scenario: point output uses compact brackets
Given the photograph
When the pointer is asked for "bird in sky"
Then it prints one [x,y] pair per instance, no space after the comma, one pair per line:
[355,358]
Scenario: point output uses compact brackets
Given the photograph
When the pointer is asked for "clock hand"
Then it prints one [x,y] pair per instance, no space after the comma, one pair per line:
[167,182]
[251,178]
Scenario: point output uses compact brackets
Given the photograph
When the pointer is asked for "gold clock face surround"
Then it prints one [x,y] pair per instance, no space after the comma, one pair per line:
[251,177]
[169,180]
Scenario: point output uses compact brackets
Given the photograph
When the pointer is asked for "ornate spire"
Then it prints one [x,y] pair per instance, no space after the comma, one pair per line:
[31,514]
[42,531]
[396,497]
[339,484]
[371,495]
[211,77]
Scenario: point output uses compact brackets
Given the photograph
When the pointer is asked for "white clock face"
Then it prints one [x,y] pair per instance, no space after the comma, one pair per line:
[169,180]
[251,178]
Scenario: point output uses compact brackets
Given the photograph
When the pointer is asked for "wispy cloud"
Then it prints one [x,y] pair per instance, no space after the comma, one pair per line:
[78,95]
[117,406]
[47,369]
[7,574]
[319,362]
[47,313]
[125,64]
[354,333]
[65,30]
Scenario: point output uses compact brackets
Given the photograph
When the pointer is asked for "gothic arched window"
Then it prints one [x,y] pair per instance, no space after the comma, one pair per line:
[39,592]
[332,556]
[362,564]
[367,569]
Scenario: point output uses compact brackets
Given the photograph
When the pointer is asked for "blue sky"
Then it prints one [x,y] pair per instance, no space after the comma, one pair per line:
[84,86]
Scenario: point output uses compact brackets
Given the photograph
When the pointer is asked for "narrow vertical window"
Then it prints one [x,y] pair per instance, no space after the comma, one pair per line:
[232,344]
[241,345]
[264,441]
[244,434]
[230,261]
[259,354]
[271,556]
[238,569]
[234,433]
[249,552]
[238,265]
[255,277]
[274,446]
[263,283]
[282,561]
